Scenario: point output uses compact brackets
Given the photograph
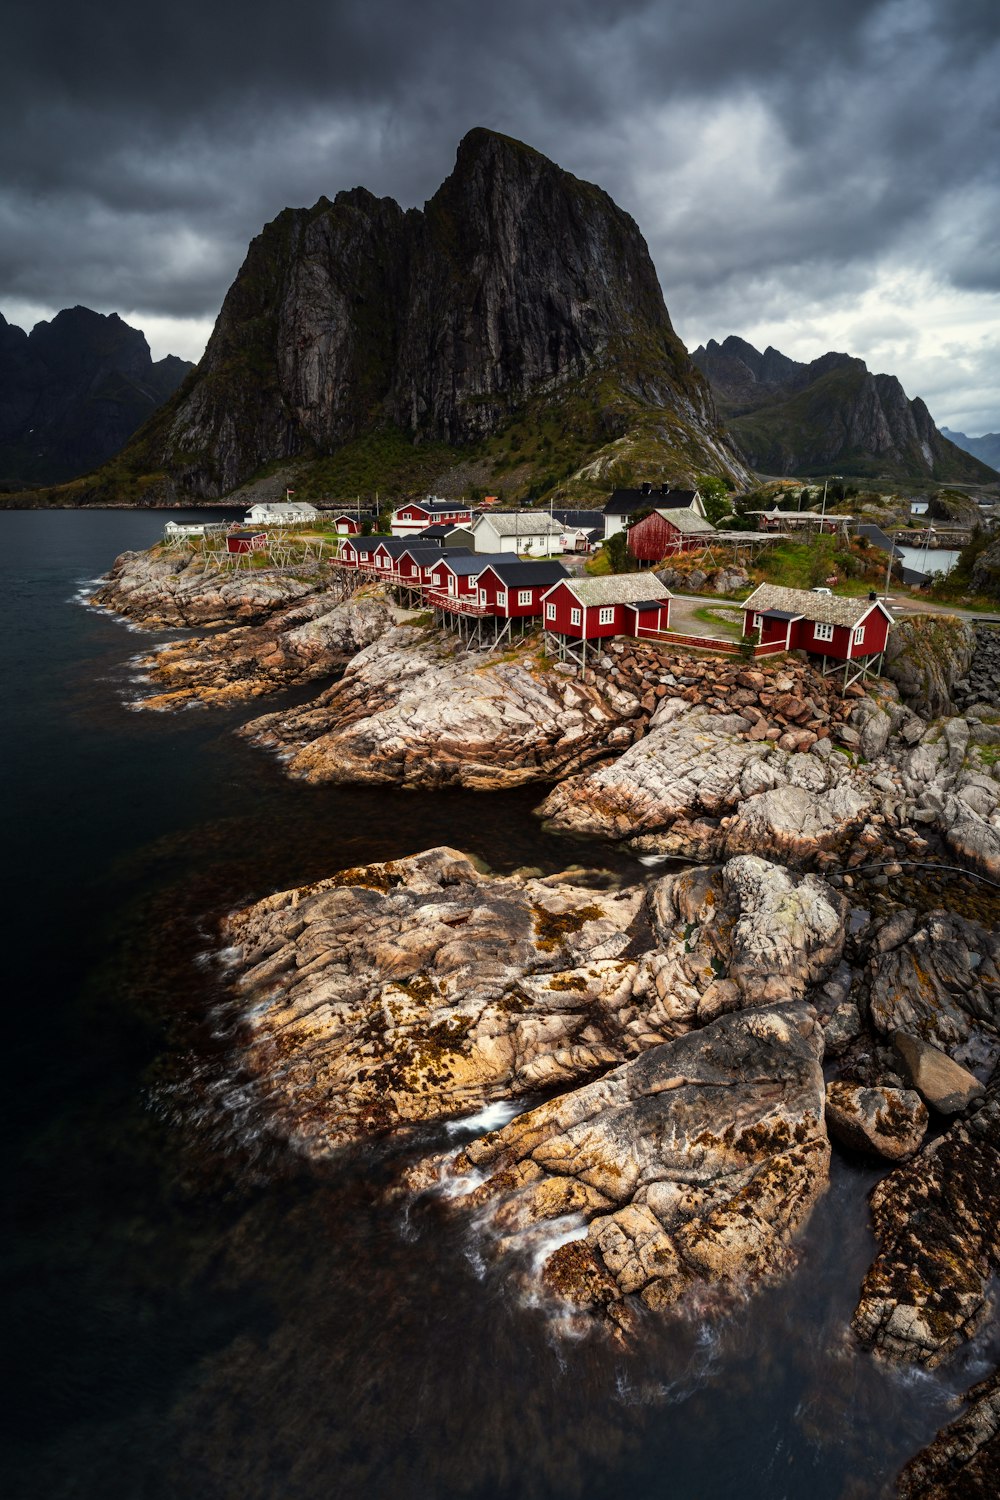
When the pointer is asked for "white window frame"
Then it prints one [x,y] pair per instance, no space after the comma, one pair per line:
[859,635]
[550,611]
[606,615]
[501,599]
[822,632]
[758,621]
[523,596]
[473,580]
[576,617]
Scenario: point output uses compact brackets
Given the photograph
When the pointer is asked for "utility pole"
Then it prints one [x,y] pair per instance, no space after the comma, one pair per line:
[825,483]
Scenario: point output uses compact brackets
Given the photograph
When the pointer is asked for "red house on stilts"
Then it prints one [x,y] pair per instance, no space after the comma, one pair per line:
[845,632]
[579,610]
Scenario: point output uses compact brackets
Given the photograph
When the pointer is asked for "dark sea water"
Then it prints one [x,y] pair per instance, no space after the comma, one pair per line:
[190,1312]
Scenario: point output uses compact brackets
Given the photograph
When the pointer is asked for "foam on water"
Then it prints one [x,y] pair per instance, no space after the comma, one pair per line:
[493,1117]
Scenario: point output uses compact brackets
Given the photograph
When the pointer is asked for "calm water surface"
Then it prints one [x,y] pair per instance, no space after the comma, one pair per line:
[192,1313]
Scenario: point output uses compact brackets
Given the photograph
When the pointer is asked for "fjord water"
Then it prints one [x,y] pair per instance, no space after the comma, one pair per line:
[193,1312]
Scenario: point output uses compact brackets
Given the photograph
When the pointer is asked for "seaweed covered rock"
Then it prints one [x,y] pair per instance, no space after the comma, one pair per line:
[963,1461]
[937,1222]
[421,989]
[882,1121]
[696,1164]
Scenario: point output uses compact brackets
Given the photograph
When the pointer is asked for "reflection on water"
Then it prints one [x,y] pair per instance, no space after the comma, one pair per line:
[193,1311]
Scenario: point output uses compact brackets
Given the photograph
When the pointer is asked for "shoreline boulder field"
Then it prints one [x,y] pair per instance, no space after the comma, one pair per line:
[806,959]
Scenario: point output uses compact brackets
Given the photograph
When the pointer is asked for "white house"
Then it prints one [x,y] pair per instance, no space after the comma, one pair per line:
[281,513]
[530,533]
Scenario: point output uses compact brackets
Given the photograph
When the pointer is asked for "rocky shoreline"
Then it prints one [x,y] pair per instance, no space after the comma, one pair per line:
[685,1049]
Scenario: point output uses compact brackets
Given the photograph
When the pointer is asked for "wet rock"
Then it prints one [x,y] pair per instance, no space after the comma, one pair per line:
[946,1087]
[695,1164]
[963,1461]
[421,988]
[300,643]
[886,1121]
[161,589]
[938,978]
[843,1028]
[937,1222]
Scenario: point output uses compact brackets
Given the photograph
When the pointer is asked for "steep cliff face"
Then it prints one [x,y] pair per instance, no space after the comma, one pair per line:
[72,391]
[518,288]
[830,414]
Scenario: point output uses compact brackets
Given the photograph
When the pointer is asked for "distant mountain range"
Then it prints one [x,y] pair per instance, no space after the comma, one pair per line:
[829,416]
[986,448]
[512,334]
[72,392]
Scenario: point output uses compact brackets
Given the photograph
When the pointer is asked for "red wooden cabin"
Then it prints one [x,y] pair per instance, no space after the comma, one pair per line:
[514,590]
[591,608]
[347,525]
[246,541]
[823,624]
[665,533]
[416,515]
[457,577]
[415,565]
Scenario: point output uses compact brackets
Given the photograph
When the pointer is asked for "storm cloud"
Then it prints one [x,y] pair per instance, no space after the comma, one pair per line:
[810,176]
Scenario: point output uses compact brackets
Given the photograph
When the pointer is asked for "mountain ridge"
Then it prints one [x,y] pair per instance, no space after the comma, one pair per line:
[519,296]
[830,414]
[72,391]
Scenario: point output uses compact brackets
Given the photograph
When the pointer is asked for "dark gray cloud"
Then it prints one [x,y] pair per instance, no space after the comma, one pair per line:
[772,149]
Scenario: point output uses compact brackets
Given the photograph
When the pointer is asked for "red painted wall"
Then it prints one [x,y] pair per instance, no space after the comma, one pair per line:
[492,585]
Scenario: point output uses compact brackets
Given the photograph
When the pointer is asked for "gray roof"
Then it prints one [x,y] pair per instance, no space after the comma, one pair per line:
[618,588]
[521,523]
[517,574]
[824,609]
[687,521]
[471,563]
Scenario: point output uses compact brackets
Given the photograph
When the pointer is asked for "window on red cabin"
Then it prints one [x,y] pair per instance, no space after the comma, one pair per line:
[859,635]
[523,596]
[575,617]
[550,611]
[502,599]
[607,615]
[823,632]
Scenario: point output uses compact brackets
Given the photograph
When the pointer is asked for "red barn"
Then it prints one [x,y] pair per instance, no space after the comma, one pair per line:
[664,533]
[347,525]
[246,541]
[825,624]
[587,609]
[513,590]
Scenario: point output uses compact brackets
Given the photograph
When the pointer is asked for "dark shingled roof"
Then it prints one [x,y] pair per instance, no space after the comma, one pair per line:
[519,575]
[625,502]
[426,557]
[475,563]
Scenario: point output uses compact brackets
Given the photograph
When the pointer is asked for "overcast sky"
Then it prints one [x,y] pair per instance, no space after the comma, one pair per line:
[807,173]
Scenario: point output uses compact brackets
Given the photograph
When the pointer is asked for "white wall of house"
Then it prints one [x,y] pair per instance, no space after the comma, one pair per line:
[532,544]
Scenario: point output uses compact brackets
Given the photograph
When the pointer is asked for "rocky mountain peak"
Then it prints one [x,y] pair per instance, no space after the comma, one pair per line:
[516,286]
